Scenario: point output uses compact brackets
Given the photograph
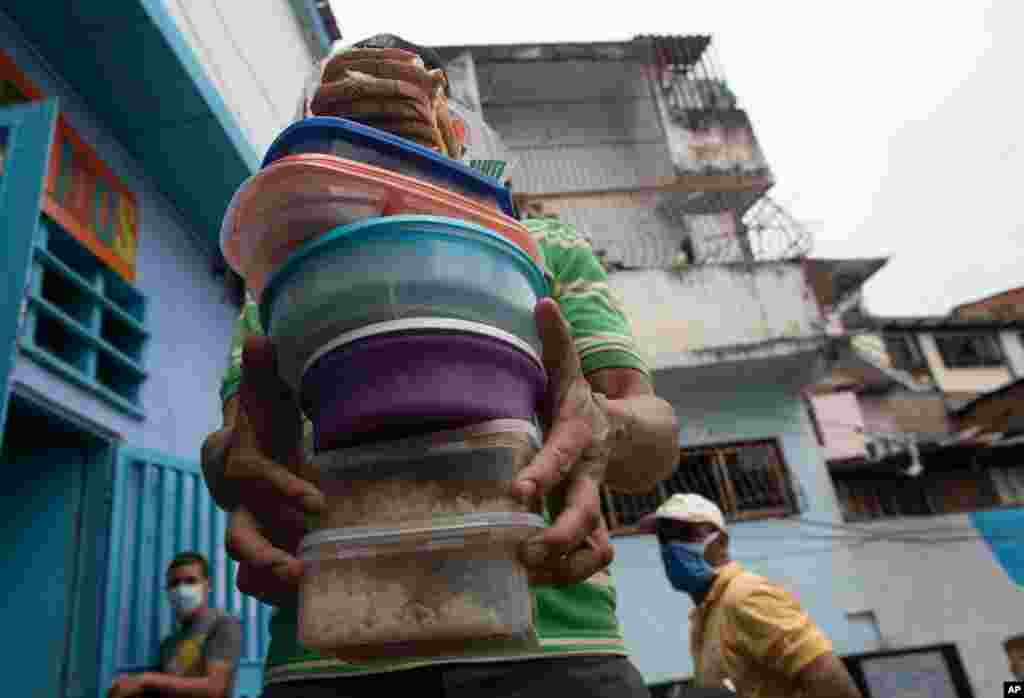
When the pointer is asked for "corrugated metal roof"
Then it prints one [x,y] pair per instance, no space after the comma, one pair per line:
[571,81]
[550,124]
[635,49]
[590,168]
[634,235]
[547,52]
[1011,388]
[1008,304]
[940,323]
[833,280]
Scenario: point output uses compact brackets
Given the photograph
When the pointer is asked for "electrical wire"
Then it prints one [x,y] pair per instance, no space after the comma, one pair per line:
[857,544]
[858,535]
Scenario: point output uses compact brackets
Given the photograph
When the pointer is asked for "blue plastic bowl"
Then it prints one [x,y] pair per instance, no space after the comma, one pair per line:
[354,141]
[395,268]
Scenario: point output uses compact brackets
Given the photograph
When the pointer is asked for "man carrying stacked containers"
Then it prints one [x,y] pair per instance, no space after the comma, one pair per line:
[604,426]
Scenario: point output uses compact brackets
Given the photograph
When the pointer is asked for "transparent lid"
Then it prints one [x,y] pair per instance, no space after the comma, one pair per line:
[453,532]
[341,180]
[422,325]
[382,457]
[327,127]
[229,239]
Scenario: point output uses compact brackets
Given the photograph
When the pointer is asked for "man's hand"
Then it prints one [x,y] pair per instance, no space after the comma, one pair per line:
[128,685]
[254,468]
[570,468]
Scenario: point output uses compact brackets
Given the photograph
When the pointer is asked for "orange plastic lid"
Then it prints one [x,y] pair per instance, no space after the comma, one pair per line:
[327,177]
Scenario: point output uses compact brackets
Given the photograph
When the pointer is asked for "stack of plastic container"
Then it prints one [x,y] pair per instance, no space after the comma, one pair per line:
[399,292]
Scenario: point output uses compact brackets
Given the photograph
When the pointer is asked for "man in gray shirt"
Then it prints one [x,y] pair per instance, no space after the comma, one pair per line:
[201,657]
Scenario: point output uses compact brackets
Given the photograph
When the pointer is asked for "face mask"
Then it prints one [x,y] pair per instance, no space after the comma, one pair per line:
[186,598]
[686,568]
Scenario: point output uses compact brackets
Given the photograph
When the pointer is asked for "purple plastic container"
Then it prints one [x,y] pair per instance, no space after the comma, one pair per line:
[389,386]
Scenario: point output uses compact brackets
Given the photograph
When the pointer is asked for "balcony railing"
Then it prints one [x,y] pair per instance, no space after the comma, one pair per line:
[710,137]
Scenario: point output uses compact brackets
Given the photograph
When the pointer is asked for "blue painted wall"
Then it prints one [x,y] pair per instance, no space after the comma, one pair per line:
[806,554]
[190,321]
[191,324]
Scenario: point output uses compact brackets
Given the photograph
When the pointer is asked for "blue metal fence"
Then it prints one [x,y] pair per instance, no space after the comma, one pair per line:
[160,508]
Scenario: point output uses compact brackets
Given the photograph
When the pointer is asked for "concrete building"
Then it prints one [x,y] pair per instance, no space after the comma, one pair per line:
[124,130]
[922,422]
[115,320]
[644,148]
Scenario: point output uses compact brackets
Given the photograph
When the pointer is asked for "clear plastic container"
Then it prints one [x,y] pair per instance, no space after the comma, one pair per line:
[428,478]
[398,268]
[371,146]
[417,592]
[301,197]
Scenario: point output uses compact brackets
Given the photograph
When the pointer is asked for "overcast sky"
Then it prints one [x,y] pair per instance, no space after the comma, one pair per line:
[894,128]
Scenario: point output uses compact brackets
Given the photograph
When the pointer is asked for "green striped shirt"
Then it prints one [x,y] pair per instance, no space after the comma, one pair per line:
[579,619]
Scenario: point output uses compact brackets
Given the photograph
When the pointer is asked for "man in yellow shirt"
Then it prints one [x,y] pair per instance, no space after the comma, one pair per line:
[745,633]
[1015,653]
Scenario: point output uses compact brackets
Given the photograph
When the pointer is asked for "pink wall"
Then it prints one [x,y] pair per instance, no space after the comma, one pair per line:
[839,416]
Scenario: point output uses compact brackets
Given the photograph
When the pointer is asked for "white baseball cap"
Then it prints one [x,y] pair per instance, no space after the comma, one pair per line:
[687,508]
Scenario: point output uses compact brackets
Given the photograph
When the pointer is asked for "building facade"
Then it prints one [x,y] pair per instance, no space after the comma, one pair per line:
[124,130]
[645,149]
[922,424]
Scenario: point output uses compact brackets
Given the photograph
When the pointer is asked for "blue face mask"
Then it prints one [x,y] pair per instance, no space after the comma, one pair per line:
[686,568]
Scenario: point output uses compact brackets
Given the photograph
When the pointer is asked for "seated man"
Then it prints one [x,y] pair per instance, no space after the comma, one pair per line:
[201,657]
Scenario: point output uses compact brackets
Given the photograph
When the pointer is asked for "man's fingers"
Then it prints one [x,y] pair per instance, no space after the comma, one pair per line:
[556,459]
[247,544]
[580,518]
[577,567]
[595,555]
[259,363]
[557,349]
[264,585]
[213,458]
[265,570]
[269,409]
[283,526]
[281,481]
[261,478]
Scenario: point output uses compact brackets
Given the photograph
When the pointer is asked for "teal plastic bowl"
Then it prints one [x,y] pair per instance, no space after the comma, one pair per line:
[395,268]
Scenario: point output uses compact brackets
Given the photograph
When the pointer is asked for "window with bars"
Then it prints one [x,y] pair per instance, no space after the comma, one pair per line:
[979,350]
[866,499]
[1009,484]
[82,320]
[746,480]
[904,352]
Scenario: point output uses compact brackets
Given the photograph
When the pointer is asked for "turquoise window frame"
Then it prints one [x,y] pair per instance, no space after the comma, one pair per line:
[83,322]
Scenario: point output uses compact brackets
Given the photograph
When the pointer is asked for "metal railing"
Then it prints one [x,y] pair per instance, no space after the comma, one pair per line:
[688,73]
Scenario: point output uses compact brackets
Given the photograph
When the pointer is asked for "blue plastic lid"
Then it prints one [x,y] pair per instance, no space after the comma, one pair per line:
[403,227]
[331,127]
